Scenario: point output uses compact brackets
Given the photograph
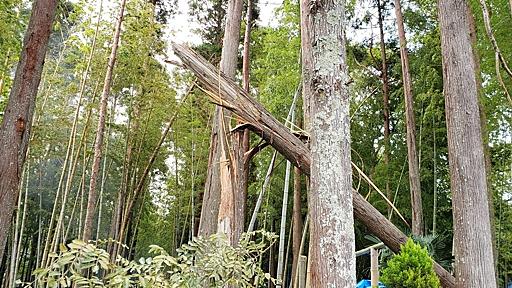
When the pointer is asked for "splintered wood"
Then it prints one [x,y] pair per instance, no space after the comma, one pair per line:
[228,94]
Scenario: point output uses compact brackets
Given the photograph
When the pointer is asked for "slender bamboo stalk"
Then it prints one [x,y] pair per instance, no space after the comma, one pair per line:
[262,192]
[98,143]
[142,179]
[492,38]
[282,231]
[16,237]
[302,243]
[286,192]
[77,197]
[287,255]
[291,115]
[39,220]
[192,188]
[434,210]
[177,202]
[23,219]
[82,193]
[297,221]
[104,169]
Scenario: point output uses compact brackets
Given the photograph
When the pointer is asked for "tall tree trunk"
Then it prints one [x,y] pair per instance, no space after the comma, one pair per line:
[282,227]
[414,171]
[297,222]
[240,141]
[330,197]
[98,143]
[230,160]
[17,120]
[306,60]
[210,216]
[474,266]
[385,97]
[485,136]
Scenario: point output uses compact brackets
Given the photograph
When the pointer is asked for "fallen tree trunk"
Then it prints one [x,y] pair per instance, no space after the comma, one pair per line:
[228,94]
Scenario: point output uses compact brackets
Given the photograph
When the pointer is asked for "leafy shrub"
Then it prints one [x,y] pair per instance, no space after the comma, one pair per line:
[211,262]
[412,267]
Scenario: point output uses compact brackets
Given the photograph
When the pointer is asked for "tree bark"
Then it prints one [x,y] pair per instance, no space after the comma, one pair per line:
[240,140]
[485,139]
[297,222]
[17,120]
[215,211]
[414,172]
[327,104]
[474,266]
[232,201]
[332,241]
[307,61]
[227,93]
[98,143]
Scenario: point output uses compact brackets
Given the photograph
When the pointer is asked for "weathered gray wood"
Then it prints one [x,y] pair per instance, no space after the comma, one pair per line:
[301,273]
[225,92]
[374,267]
[17,120]
[474,266]
[332,240]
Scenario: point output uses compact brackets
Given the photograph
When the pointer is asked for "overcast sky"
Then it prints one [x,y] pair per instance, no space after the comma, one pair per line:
[182,25]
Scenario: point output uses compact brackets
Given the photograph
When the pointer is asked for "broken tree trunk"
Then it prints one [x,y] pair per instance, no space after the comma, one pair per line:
[412,154]
[227,93]
[219,203]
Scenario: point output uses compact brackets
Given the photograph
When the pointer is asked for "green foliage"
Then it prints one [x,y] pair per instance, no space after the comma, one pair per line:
[412,267]
[438,247]
[14,17]
[202,261]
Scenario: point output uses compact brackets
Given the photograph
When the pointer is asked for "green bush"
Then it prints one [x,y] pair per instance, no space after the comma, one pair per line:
[211,262]
[412,267]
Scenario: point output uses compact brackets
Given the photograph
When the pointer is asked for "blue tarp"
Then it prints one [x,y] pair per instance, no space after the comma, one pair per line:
[368,284]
